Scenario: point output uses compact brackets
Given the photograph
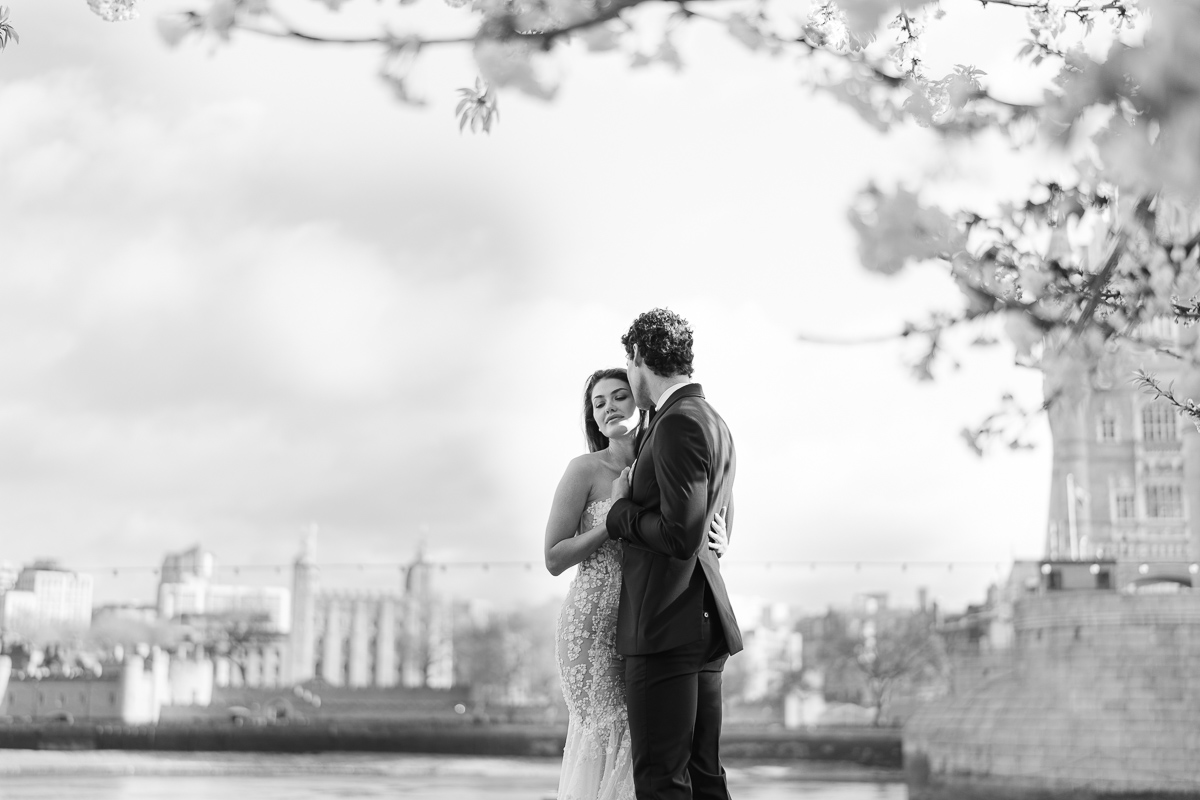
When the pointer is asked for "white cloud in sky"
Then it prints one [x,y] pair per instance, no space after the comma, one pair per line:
[242,292]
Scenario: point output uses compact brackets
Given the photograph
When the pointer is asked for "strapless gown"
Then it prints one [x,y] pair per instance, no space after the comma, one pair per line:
[597,763]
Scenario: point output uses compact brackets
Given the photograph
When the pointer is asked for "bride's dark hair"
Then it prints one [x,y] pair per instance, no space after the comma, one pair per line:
[595,439]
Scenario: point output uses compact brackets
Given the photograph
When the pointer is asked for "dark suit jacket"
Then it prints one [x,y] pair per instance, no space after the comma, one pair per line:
[682,479]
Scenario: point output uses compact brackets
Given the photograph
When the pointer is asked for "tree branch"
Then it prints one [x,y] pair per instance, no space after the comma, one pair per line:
[1188,408]
[1081,10]
[1097,285]
[500,29]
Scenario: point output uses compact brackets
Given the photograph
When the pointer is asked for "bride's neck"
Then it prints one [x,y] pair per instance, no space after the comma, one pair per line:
[623,449]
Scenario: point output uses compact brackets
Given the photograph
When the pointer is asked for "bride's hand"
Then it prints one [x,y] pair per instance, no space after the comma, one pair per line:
[620,487]
[718,537]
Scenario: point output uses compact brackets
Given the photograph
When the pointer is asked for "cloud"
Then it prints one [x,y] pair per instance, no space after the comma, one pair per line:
[231,305]
[181,366]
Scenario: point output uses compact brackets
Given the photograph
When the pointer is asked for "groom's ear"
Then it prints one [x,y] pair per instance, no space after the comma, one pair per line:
[634,358]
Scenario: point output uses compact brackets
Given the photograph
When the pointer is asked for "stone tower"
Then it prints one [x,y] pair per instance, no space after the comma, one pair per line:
[1125,484]
[305,584]
[418,622]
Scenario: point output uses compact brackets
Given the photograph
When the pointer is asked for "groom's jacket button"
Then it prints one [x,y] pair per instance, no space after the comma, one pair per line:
[706,615]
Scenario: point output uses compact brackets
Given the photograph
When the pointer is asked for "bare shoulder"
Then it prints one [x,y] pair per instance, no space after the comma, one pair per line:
[584,468]
[588,475]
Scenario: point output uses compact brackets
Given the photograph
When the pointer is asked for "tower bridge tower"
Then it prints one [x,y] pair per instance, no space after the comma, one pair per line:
[1126,468]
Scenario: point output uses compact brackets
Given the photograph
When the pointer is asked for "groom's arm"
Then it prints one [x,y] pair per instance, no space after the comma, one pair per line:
[679,526]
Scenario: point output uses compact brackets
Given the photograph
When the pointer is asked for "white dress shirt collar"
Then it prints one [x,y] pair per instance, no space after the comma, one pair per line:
[670,391]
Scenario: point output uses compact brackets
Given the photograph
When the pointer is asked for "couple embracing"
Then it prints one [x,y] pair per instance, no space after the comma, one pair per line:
[647,625]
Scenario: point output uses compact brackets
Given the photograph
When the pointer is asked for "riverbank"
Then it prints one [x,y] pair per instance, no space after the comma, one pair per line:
[874,748]
[39,763]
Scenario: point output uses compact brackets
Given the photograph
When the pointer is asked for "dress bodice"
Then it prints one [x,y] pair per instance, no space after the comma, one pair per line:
[608,558]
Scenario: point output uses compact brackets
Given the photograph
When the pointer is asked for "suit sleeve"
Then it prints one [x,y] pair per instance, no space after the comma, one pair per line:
[679,526]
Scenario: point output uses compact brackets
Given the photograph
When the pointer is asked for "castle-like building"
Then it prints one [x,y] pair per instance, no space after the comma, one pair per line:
[1123,487]
[1076,679]
[361,639]
[350,638]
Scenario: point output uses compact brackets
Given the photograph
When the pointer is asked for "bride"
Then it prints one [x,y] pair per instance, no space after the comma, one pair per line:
[597,764]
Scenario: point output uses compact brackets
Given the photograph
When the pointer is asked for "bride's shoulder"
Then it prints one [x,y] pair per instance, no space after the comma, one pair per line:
[585,464]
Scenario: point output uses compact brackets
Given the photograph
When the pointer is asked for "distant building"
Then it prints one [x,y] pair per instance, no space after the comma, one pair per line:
[46,595]
[128,612]
[361,639]
[772,651]
[190,565]
[343,638]
[305,586]
[190,678]
[186,590]
[8,576]
[1122,488]
[132,691]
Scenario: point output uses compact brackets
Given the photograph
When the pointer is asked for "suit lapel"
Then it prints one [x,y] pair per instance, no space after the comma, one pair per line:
[690,390]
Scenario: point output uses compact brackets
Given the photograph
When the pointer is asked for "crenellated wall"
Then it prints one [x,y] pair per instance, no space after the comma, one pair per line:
[132,692]
[1099,694]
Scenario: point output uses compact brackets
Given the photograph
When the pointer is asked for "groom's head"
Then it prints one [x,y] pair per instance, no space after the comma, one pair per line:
[658,344]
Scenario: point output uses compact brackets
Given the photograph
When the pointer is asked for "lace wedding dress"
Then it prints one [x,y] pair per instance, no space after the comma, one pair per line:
[597,764]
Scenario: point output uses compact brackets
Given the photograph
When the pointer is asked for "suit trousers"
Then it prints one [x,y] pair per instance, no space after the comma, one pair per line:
[674,700]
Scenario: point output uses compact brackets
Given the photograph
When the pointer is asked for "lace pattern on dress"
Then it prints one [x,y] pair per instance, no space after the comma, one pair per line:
[597,763]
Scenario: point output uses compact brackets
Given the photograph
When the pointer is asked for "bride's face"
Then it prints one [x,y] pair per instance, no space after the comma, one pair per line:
[613,408]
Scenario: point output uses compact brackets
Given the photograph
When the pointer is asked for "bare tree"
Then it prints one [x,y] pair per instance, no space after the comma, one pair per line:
[869,660]
[234,635]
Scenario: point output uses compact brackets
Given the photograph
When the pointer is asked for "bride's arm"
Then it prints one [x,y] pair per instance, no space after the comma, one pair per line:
[563,548]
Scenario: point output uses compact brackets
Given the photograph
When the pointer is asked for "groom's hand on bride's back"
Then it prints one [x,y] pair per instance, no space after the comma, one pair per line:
[718,535]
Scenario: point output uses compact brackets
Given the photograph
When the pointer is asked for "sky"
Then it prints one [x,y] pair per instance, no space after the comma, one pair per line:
[244,291]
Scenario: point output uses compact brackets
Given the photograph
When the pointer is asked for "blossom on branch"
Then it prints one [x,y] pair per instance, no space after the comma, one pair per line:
[7,32]
[114,10]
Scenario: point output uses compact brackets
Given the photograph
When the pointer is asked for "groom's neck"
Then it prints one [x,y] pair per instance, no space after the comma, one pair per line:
[659,386]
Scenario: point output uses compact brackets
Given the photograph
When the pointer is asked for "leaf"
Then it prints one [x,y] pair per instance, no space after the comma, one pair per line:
[667,54]
[920,107]
[744,31]
[512,63]
[600,38]
[478,108]
[896,229]
[221,17]
[173,28]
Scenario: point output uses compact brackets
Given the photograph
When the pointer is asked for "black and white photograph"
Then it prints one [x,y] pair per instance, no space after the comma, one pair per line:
[600,399]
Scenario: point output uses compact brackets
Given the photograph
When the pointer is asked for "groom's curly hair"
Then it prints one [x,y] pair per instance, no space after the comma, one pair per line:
[664,341]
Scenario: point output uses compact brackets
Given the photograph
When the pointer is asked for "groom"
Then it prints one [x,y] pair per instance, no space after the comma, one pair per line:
[675,625]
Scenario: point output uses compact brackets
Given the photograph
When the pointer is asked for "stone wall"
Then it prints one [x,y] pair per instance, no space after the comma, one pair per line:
[1099,694]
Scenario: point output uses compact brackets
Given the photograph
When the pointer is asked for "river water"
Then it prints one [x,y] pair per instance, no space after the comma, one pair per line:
[119,775]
